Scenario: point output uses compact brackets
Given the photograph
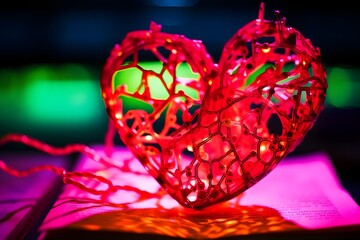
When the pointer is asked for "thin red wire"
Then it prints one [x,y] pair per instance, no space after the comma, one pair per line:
[67,177]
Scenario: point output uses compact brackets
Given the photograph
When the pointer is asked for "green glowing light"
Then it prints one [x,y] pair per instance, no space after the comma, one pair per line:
[61,101]
[135,104]
[69,94]
[60,96]
[343,87]
[252,77]
[158,82]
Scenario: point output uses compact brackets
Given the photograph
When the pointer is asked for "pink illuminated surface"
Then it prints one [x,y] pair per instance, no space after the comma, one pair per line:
[301,193]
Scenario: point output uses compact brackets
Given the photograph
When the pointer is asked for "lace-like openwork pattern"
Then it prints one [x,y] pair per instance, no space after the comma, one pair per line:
[210,135]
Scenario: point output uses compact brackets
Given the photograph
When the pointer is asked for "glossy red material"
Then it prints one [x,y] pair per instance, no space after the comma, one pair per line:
[209,147]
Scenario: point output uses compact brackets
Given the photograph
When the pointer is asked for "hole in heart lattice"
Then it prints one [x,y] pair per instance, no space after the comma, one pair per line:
[207,132]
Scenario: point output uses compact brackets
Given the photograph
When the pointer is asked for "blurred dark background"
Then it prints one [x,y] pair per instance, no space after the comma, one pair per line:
[52,53]
[60,31]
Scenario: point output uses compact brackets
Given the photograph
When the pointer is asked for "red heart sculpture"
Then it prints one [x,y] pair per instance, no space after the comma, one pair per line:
[209,135]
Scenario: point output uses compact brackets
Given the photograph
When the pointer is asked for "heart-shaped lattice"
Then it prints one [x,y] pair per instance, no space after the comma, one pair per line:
[209,134]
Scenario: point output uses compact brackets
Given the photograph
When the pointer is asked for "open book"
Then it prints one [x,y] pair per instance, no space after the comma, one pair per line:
[302,196]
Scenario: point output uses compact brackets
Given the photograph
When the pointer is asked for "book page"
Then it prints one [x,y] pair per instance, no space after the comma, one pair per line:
[301,193]
[306,190]
[23,200]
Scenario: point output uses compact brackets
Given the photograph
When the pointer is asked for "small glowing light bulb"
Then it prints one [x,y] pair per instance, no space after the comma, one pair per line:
[265,48]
